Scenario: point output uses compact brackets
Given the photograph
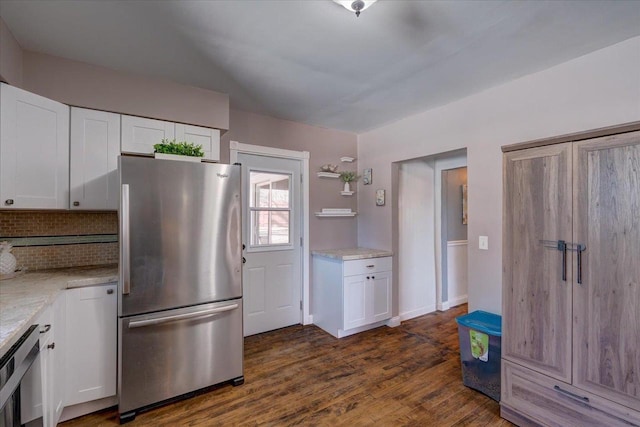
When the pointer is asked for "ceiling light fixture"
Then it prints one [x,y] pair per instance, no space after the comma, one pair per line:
[356,6]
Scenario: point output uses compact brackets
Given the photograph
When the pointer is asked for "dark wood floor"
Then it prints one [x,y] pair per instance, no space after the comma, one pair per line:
[409,375]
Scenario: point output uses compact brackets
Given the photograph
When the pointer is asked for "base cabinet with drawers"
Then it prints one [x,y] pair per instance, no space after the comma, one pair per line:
[571,282]
[351,296]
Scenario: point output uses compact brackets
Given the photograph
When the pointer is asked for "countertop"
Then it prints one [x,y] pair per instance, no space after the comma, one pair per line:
[24,297]
[352,253]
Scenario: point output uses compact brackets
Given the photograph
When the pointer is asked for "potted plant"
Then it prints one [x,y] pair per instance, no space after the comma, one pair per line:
[347,177]
[178,150]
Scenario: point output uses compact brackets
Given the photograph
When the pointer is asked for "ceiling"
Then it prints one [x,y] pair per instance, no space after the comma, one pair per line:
[314,62]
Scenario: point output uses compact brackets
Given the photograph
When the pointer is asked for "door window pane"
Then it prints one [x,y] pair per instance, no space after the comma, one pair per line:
[270,207]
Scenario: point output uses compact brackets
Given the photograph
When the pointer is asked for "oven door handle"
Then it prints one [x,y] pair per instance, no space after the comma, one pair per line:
[16,377]
[186,316]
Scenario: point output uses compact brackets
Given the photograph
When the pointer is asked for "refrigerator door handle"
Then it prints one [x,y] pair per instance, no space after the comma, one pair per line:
[124,236]
[174,318]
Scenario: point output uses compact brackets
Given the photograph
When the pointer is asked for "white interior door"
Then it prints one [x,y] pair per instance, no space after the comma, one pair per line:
[272,273]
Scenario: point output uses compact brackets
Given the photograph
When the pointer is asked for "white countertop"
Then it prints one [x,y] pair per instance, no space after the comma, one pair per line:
[24,297]
[352,253]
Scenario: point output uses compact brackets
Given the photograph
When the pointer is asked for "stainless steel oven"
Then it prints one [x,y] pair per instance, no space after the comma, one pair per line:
[13,367]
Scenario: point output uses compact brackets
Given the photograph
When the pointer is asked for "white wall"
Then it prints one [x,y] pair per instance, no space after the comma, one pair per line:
[416,240]
[595,90]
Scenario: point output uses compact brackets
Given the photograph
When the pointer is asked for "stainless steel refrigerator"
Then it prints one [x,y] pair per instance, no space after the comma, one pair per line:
[180,291]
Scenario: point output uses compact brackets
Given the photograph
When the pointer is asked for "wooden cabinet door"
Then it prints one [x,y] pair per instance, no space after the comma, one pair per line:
[355,301]
[92,342]
[208,138]
[606,304]
[379,288]
[95,146]
[34,151]
[536,318]
[139,135]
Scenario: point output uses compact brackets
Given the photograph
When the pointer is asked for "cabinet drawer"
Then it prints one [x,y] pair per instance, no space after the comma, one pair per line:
[365,266]
[553,403]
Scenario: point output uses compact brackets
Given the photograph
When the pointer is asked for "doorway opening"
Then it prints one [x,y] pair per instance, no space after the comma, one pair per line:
[430,233]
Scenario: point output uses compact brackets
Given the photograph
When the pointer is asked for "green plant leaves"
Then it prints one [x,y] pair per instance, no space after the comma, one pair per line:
[348,176]
[182,148]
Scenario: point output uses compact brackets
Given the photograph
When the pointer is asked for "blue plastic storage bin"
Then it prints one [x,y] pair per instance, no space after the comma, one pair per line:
[480,335]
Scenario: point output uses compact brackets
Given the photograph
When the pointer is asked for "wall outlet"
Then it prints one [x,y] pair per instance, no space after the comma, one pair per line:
[483,242]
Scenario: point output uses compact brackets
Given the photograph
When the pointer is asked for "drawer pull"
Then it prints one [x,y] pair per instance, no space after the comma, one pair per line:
[46,329]
[571,395]
[371,266]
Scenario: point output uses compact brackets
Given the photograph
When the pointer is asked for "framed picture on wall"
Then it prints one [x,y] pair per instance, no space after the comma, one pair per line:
[379,197]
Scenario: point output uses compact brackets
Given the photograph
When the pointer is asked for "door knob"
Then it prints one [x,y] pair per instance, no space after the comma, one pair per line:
[368,277]
[244,260]
[109,291]
[373,277]
[8,202]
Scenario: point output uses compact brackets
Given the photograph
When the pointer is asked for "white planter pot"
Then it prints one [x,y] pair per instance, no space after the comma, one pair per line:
[347,187]
[177,157]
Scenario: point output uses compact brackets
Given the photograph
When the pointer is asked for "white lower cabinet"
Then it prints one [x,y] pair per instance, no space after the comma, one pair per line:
[91,345]
[78,356]
[41,389]
[351,296]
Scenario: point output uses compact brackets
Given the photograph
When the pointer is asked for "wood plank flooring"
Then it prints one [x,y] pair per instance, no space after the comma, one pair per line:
[409,375]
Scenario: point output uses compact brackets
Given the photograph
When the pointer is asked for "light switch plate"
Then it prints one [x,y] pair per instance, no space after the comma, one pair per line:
[483,242]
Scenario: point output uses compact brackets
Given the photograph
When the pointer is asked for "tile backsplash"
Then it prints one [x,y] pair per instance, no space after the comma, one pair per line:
[30,224]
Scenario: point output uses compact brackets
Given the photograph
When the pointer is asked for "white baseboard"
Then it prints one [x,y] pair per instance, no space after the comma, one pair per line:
[81,409]
[394,322]
[443,306]
[415,313]
[308,320]
[457,301]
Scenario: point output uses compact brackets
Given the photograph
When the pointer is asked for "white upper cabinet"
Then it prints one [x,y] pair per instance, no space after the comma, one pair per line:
[139,135]
[95,146]
[34,151]
[208,138]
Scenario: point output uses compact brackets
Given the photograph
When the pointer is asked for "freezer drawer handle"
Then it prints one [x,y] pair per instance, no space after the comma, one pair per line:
[124,251]
[194,315]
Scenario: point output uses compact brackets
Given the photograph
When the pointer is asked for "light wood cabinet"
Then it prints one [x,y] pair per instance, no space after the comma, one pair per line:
[571,283]
[139,135]
[93,172]
[34,151]
[91,347]
[351,296]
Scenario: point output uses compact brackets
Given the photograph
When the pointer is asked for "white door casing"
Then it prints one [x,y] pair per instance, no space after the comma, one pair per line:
[276,273]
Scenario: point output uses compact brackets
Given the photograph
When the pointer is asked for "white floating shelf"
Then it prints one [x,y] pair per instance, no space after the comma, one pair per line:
[328,175]
[347,193]
[347,159]
[327,214]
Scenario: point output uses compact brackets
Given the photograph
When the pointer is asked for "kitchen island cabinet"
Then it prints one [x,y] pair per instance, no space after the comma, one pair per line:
[351,290]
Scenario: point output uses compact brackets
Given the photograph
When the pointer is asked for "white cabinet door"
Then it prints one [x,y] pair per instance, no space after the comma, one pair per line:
[355,301]
[208,138]
[34,151]
[379,288]
[95,146]
[139,135]
[55,371]
[91,346]
[34,382]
